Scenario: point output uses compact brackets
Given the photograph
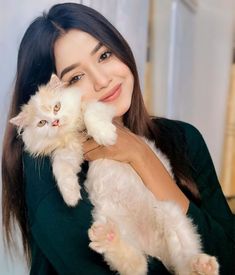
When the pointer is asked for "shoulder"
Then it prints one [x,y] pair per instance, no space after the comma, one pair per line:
[182,126]
[186,140]
[181,131]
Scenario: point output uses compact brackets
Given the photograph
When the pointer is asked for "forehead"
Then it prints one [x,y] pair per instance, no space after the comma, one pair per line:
[45,98]
[73,47]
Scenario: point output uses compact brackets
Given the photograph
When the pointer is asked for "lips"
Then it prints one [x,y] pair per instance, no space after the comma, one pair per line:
[112,95]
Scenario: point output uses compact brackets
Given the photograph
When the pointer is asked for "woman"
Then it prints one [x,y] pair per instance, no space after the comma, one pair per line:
[86,51]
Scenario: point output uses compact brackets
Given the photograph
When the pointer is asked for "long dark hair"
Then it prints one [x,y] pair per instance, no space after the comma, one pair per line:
[35,66]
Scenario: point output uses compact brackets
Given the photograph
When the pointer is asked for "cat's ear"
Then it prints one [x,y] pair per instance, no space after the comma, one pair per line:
[55,82]
[21,120]
[17,120]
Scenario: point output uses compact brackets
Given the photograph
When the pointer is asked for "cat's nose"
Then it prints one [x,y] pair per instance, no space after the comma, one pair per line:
[56,122]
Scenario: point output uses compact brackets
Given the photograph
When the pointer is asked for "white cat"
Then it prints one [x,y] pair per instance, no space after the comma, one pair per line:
[52,124]
[129,222]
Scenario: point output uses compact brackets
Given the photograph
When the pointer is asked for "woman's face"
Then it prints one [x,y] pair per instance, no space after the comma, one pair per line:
[83,62]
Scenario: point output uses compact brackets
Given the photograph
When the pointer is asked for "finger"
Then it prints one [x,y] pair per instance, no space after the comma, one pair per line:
[96,153]
[89,145]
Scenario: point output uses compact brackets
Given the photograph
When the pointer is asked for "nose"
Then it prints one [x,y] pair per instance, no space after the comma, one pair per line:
[101,79]
[56,123]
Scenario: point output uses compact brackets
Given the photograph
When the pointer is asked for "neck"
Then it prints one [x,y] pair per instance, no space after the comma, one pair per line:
[118,120]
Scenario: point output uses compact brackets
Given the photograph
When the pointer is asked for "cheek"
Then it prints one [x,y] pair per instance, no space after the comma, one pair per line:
[47,131]
[126,74]
[69,114]
[119,68]
[130,80]
[126,97]
[43,132]
[85,90]
[129,87]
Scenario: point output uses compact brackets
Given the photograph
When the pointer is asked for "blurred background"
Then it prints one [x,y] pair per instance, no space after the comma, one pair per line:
[185,56]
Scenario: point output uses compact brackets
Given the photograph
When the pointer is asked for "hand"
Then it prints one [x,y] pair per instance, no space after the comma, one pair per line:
[128,148]
[131,149]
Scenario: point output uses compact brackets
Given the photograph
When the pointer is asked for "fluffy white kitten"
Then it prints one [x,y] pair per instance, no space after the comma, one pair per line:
[52,124]
[129,222]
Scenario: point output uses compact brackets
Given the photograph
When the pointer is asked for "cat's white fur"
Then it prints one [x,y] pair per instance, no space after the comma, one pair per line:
[129,222]
[63,142]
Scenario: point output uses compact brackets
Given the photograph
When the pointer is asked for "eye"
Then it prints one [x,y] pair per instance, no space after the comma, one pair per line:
[76,78]
[57,108]
[41,123]
[105,55]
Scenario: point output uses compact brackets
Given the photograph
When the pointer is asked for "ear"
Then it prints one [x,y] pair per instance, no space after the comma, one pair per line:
[19,120]
[22,119]
[55,82]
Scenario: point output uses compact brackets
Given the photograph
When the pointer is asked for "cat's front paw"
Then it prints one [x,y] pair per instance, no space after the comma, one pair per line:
[72,199]
[104,236]
[205,264]
[105,133]
[70,191]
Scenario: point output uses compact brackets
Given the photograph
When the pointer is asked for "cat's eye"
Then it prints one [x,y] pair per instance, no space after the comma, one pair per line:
[57,107]
[41,123]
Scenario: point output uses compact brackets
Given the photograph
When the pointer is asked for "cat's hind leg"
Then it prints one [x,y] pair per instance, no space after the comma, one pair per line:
[205,264]
[181,243]
[120,255]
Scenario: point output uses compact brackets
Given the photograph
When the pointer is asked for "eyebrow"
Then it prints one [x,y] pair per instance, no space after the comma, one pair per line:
[97,47]
[68,69]
[75,65]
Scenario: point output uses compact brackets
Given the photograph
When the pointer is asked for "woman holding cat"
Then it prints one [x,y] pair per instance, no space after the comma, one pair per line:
[87,52]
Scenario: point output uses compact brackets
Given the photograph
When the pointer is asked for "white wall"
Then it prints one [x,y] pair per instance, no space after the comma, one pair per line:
[159,55]
[192,82]
[212,69]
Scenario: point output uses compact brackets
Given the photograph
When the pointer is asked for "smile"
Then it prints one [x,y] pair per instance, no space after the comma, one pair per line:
[112,95]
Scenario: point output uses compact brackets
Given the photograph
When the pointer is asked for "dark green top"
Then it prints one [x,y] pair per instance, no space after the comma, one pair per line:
[59,239]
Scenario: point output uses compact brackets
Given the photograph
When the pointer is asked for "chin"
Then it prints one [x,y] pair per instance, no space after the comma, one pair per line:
[121,111]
